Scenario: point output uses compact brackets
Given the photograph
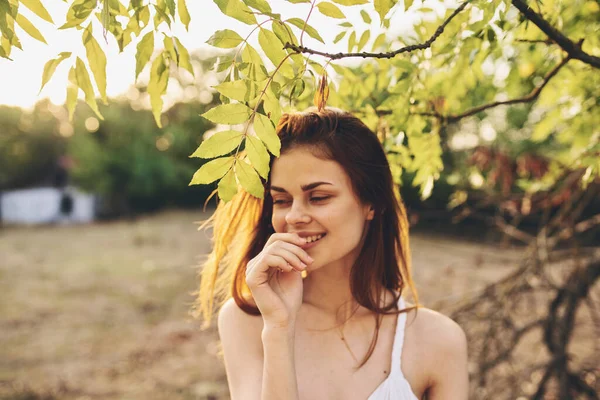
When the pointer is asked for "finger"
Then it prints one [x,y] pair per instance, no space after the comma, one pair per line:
[278,262]
[298,251]
[290,257]
[292,238]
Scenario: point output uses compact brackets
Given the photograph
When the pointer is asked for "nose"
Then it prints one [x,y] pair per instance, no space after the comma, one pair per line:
[296,215]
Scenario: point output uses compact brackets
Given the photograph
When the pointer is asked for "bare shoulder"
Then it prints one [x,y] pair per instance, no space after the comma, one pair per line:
[436,331]
[240,335]
[232,321]
[441,352]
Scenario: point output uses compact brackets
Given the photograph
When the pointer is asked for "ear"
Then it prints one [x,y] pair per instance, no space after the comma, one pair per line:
[370,213]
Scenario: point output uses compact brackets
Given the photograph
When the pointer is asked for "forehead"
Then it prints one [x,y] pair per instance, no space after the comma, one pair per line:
[300,166]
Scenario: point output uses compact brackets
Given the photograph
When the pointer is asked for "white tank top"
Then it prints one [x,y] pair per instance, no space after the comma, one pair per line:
[395,386]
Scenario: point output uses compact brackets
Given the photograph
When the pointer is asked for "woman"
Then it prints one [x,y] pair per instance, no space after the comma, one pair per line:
[316,272]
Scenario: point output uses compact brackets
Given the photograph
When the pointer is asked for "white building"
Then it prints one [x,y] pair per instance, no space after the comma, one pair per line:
[43,206]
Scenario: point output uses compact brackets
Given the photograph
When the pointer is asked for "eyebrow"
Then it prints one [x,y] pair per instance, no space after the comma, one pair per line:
[304,188]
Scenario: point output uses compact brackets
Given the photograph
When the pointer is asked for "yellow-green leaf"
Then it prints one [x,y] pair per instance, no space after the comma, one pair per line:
[260,5]
[228,186]
[170,48]
[339,36]
[97,60]
[312,32]
[382,7]
[241,90]
[39,10]
[225,39]
[184,14]
[273,48]
[266,132]
[249,179]
[272,107]
[236,9]
[184,57]
[379,41]
[29,28]
[212,170]
[351,41]
[72,90]
[50,67]
[157,86]
[350,2]
[251,56]
[228,114]
[258,155]
[219,144]
[330,10]
[365,16]
[364,38]
[144,51]
[84,82]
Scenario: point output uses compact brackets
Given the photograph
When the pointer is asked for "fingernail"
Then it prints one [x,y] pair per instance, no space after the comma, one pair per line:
[303,266]
[310,259]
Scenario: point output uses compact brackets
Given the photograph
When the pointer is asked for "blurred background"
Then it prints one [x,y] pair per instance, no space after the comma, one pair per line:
[99,246]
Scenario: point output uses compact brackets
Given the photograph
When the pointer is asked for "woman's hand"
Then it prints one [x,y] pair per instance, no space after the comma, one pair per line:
[275,280]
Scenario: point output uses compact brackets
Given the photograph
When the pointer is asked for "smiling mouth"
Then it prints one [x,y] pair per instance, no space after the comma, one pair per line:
[315,238]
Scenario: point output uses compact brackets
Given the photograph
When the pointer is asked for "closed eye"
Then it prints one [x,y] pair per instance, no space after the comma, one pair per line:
[317,199]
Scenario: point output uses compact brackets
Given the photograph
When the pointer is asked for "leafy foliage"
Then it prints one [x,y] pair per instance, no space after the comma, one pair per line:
[479,64]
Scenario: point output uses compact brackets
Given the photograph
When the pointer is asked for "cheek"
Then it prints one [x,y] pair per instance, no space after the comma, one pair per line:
[278,220]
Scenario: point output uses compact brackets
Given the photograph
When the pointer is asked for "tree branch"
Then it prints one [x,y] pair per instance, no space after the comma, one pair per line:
[573,49]
[525,99]
[390,54]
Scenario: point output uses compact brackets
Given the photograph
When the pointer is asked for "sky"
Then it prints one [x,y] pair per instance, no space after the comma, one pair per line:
[21,77]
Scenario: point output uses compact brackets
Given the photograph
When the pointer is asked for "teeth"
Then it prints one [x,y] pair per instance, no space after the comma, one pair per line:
[311,239]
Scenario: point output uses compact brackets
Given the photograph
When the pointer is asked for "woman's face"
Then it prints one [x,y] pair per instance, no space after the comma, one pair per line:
[314,198]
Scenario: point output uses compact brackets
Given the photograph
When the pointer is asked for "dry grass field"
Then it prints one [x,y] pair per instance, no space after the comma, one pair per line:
[102,311]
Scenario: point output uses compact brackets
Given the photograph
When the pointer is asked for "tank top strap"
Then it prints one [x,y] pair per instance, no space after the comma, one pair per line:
[398,340]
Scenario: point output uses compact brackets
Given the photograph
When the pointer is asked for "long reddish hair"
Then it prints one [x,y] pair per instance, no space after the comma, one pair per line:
[243,225]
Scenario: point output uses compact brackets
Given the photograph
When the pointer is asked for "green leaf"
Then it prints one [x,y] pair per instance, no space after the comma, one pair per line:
[28,27]
[145,48]
[273,48]
[339,36]
[346,25]
[228,114]
[38,8]
[157,86]
[72,90]
[364,38]
[79,11]
[249,179]
[212,170]
[184,57]
[236,9]
[258,155]
[272,106]
[330,10]
[365,16]
[379,41]
[266,132]
[228,186]
[50,67]
[219,144]
[260,5]
[225,39]
[169,45]
[84,82]
[408,3]
[312,32]
[241,90]
[350,2]
[351,41]
[171,7]
[184,14]
[383,7]
[299,1]
[251,56]
[97,60]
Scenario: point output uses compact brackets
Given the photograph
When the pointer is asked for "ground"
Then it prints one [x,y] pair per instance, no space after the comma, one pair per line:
[101,311]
